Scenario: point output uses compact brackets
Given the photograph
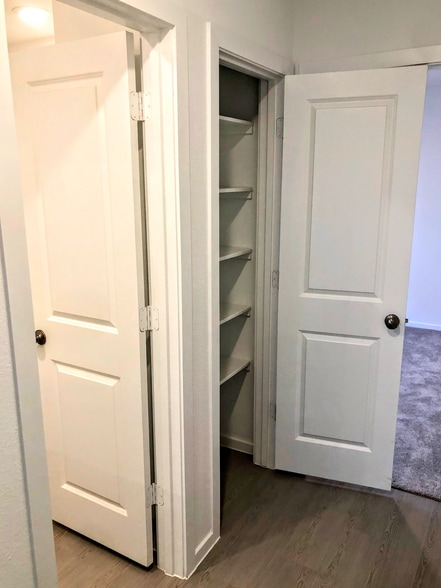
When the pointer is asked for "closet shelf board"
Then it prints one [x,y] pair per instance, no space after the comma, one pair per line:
[230,311]
[232,252]
[235,126]
[239,192]
[230,366]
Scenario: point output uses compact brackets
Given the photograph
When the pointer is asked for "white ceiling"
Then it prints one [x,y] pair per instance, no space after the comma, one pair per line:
[18,31]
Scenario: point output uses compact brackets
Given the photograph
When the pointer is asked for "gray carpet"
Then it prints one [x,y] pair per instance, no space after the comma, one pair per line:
[417,461]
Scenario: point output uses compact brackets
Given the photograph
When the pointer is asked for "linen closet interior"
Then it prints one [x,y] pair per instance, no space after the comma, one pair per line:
[238,203]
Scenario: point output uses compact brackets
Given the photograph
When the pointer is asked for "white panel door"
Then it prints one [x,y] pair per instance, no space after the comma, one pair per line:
[351,154]
[78,149]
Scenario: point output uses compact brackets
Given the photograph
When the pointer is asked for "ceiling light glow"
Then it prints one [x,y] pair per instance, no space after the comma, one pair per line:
[31,15]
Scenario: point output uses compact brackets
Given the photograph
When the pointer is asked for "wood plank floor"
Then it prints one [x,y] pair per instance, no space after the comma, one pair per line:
[280,530]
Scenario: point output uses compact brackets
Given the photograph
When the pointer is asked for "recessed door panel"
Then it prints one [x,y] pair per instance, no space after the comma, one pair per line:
[338,379]
[76,211]
[351,144]
[89,406]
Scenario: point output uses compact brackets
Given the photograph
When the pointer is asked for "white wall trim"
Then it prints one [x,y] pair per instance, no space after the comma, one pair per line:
[401,58]
[236,444]
[263,60]
[165,293]
[267,261]
[202,458]
[423,326]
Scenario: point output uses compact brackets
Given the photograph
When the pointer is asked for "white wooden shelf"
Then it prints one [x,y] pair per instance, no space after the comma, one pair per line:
[232,252]
[235,126]
[241,192]
[230,366]
[230,311]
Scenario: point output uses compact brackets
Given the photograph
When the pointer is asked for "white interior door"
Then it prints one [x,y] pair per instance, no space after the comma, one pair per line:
[351,153]
[78,149]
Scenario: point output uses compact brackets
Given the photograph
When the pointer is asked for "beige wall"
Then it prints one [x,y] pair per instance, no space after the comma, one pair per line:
[16,567]
[267,23]
[325,30]
[15,548]
[22,562]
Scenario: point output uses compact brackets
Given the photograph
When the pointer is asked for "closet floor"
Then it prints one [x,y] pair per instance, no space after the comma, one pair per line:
[279,530]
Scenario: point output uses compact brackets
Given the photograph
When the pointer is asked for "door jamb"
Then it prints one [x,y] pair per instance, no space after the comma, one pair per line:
[267,249]
[163,233]
[164,275]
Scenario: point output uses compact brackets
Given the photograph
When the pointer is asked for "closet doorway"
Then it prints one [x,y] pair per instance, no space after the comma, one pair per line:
[250,141]
[87,229]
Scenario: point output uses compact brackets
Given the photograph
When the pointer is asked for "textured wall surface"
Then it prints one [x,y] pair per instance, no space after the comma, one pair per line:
[16,569]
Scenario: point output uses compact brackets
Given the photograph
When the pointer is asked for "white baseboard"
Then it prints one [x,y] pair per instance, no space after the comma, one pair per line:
[237,444]
[423,326]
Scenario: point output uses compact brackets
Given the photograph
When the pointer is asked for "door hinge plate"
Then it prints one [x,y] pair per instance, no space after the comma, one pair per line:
[275,279]
[140,106]
[273,411]
[279,127]
[155,495]
[148,319]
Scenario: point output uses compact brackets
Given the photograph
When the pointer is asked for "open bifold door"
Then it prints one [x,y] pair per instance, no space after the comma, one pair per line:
[79,157]
[351,155]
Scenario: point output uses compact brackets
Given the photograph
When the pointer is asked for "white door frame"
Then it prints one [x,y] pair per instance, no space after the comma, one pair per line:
[269,169]
[169,24]
[228,50]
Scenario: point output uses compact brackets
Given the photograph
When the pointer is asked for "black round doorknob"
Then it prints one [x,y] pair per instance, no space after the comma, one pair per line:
[40,337]
[391,321]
